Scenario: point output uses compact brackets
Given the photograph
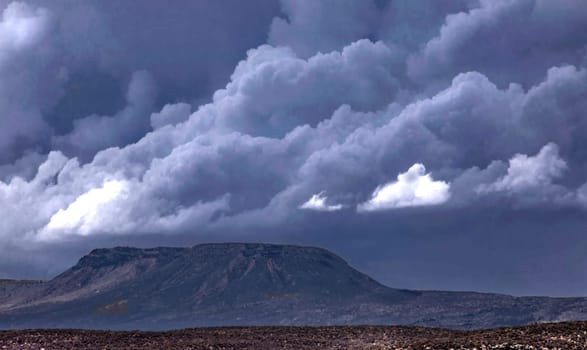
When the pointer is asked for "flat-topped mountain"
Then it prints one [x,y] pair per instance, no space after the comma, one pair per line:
[249,284]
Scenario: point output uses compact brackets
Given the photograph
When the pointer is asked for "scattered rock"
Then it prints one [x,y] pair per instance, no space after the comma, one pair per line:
[568,336]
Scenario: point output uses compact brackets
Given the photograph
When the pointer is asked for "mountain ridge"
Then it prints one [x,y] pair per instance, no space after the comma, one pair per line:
[220,284]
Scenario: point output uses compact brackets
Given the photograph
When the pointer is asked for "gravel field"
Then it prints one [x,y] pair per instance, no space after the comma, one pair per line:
[568,335]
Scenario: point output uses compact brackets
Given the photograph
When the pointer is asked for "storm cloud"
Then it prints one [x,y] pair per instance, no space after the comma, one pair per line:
[173,124]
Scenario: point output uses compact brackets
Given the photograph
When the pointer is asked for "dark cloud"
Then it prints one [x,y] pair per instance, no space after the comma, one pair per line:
[26,54]
[323,26]
[94,133]
[191,47]
[420,133]
[508,41]
[65,62]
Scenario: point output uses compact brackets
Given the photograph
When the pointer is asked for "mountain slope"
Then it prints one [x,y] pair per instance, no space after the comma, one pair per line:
[249,284]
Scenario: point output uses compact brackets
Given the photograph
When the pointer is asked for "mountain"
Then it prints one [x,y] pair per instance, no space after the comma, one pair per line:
[249,284]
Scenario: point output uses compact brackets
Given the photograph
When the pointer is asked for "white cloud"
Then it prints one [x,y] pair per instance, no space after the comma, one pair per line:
[22,26]
[526,172]
[412,188]
[84,213]
[318,202]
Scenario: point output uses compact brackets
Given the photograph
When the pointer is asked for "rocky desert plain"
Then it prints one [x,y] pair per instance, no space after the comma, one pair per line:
[560,336]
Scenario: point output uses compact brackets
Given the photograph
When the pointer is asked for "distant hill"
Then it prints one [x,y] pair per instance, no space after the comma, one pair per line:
[249,284]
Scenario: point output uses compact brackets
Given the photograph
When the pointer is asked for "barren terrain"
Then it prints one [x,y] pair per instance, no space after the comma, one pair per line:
[568,335]
[250,284]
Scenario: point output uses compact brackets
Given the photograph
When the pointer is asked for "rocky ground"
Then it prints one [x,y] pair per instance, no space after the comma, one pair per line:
[569,335]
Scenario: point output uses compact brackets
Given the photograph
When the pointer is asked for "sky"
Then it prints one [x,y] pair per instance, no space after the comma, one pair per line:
[433,144]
